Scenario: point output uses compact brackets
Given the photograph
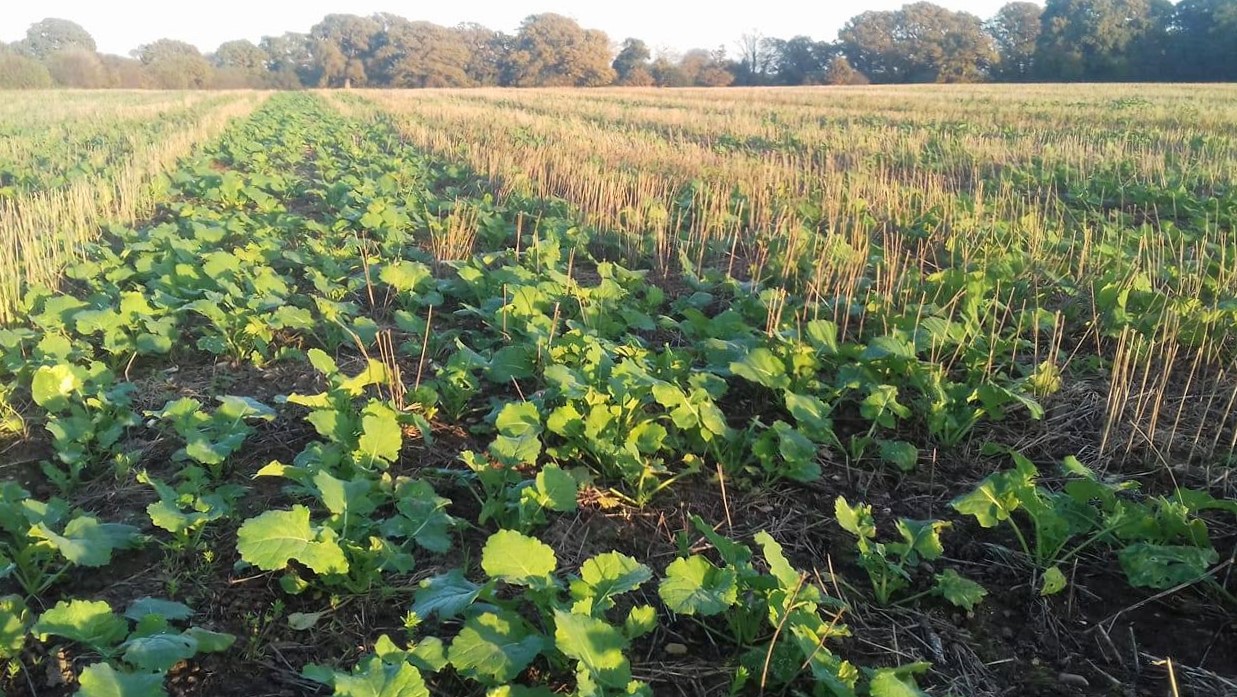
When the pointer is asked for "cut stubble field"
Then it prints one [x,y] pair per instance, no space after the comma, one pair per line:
[852,392]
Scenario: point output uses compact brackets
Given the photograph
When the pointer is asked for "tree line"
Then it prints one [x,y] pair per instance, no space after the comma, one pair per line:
[1061,41]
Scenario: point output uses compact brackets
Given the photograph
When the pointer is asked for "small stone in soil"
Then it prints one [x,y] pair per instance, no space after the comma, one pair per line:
[1073,680]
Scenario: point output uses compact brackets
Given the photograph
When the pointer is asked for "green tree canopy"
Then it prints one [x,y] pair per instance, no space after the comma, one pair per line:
[342,46]
[52,35]
[1015,28]
[1204,41]
[174,65]
[801,60]
[551,50]
[241,54]
[921,42]
[290,59]
[487,54]
[1064,40]
[420,54]
[632,63]
[1101,40]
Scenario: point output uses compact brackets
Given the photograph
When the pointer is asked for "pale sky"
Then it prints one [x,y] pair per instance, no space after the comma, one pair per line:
[121,25]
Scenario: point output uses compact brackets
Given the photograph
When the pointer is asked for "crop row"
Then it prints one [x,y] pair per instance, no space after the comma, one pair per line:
[55,153]
[107,171]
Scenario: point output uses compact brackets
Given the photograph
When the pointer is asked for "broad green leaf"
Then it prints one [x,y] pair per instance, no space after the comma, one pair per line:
[381,434]
[649,437]
[151,625]
[555,490]
[1195,500]
[166,516]
[102,680]
[762,367]
[164,608]
[374,373]
[611,573]
[669,396]
[199,448]
[345,498]
[210,642]
[519,428]
[159,652]
[1164,566]
[511,363]
[921,539]
[640,621]
[87,542]
[233,408]
[822,334]
[731,552]
[565,421]
[430,655]
[89,622]
[494,648]
[1071,465]
[290,317]
[856,520]
[220,263]
[900,454]
[889,347]
[1052,582]
[567,381]
[274,538]
[993,501]
[322,362]
[14,622]
[523,450]
[881,406]
[422,516]
[959,590]
[694,586]
[181,411]
[787,577]
[57,346]
[519,559]
[304,621]
[331,424]
[596,645]
[811,415]
[890,682]
[53,385]
[445,595]
[786,452]
[518,419]
[379,679]
[404,276]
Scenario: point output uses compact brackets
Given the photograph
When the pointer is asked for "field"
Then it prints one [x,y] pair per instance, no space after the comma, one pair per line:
[851,392]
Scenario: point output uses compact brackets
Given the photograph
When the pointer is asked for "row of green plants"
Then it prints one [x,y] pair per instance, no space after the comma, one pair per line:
[88,146]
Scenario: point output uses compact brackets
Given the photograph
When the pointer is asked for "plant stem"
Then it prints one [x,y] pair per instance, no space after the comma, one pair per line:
[1022,540]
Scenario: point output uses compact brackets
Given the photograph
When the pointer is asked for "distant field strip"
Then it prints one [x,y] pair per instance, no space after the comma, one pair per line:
[73,161]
